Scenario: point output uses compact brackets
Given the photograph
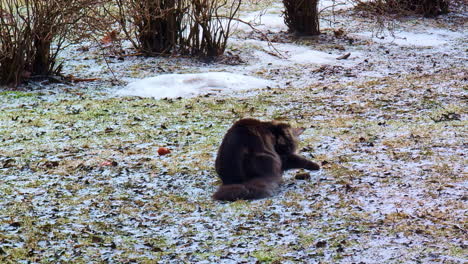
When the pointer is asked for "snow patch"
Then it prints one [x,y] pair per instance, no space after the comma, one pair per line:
[336,4]
[430,38]
[273,22]
[284,54]
[187,85]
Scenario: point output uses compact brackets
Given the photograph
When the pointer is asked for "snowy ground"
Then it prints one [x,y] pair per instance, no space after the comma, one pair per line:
[81,180]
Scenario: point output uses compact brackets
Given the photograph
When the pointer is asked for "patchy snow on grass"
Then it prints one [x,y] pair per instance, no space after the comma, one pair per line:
[81,180]
[306,55]
[335,4]
[287,54]
[429,38]
[187,85]
[262,21]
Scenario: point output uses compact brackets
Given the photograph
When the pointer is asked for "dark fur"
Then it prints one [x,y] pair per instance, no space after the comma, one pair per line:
[253,156]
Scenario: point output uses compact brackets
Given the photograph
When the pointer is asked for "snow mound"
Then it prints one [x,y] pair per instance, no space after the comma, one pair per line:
[187,85]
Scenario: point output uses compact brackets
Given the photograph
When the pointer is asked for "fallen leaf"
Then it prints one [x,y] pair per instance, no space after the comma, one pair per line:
[109,163]
[109,37]
[51,164]
[163,151]
[9,163]
[15,224]
[344,57]
[321,244]
[97,239]
[105,163]
[339,32]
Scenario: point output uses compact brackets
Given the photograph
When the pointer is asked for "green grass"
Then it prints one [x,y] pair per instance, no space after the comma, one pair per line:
[15,94]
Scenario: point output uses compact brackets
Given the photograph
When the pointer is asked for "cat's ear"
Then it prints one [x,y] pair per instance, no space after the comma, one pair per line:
[297,131]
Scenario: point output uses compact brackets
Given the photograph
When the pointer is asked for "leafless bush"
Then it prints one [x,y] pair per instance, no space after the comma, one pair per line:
[195,27]
[15,44]
[428,8]
[302,16]
[32,35]
[153,26]
[208,26]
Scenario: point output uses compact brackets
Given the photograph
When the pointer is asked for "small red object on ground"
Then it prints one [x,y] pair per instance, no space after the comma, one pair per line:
[163,151]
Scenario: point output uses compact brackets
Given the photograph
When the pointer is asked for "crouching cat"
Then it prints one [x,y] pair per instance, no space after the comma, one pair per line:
[253,156]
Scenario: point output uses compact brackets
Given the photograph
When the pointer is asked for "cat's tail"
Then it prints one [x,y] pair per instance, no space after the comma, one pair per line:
[254,189]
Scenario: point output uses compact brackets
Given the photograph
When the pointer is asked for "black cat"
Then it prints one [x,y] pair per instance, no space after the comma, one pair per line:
[253,156]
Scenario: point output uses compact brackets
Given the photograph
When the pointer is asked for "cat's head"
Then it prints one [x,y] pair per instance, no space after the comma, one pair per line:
[286,137]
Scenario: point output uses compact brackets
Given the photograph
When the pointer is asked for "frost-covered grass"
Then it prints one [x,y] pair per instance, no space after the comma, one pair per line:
[81,180]
[392,187]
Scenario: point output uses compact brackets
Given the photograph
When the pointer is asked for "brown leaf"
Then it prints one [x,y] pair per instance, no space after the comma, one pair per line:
[339,32]
[321,244]
[163,151]
[109,163]
[51,164]
[344,57]
[110,37]
[97,239]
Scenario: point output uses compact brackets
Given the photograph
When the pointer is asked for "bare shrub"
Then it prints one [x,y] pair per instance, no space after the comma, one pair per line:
[428,8]
[32,35]
[208,26]
[15,44]
[153,26]
[195,27]
[302,16]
